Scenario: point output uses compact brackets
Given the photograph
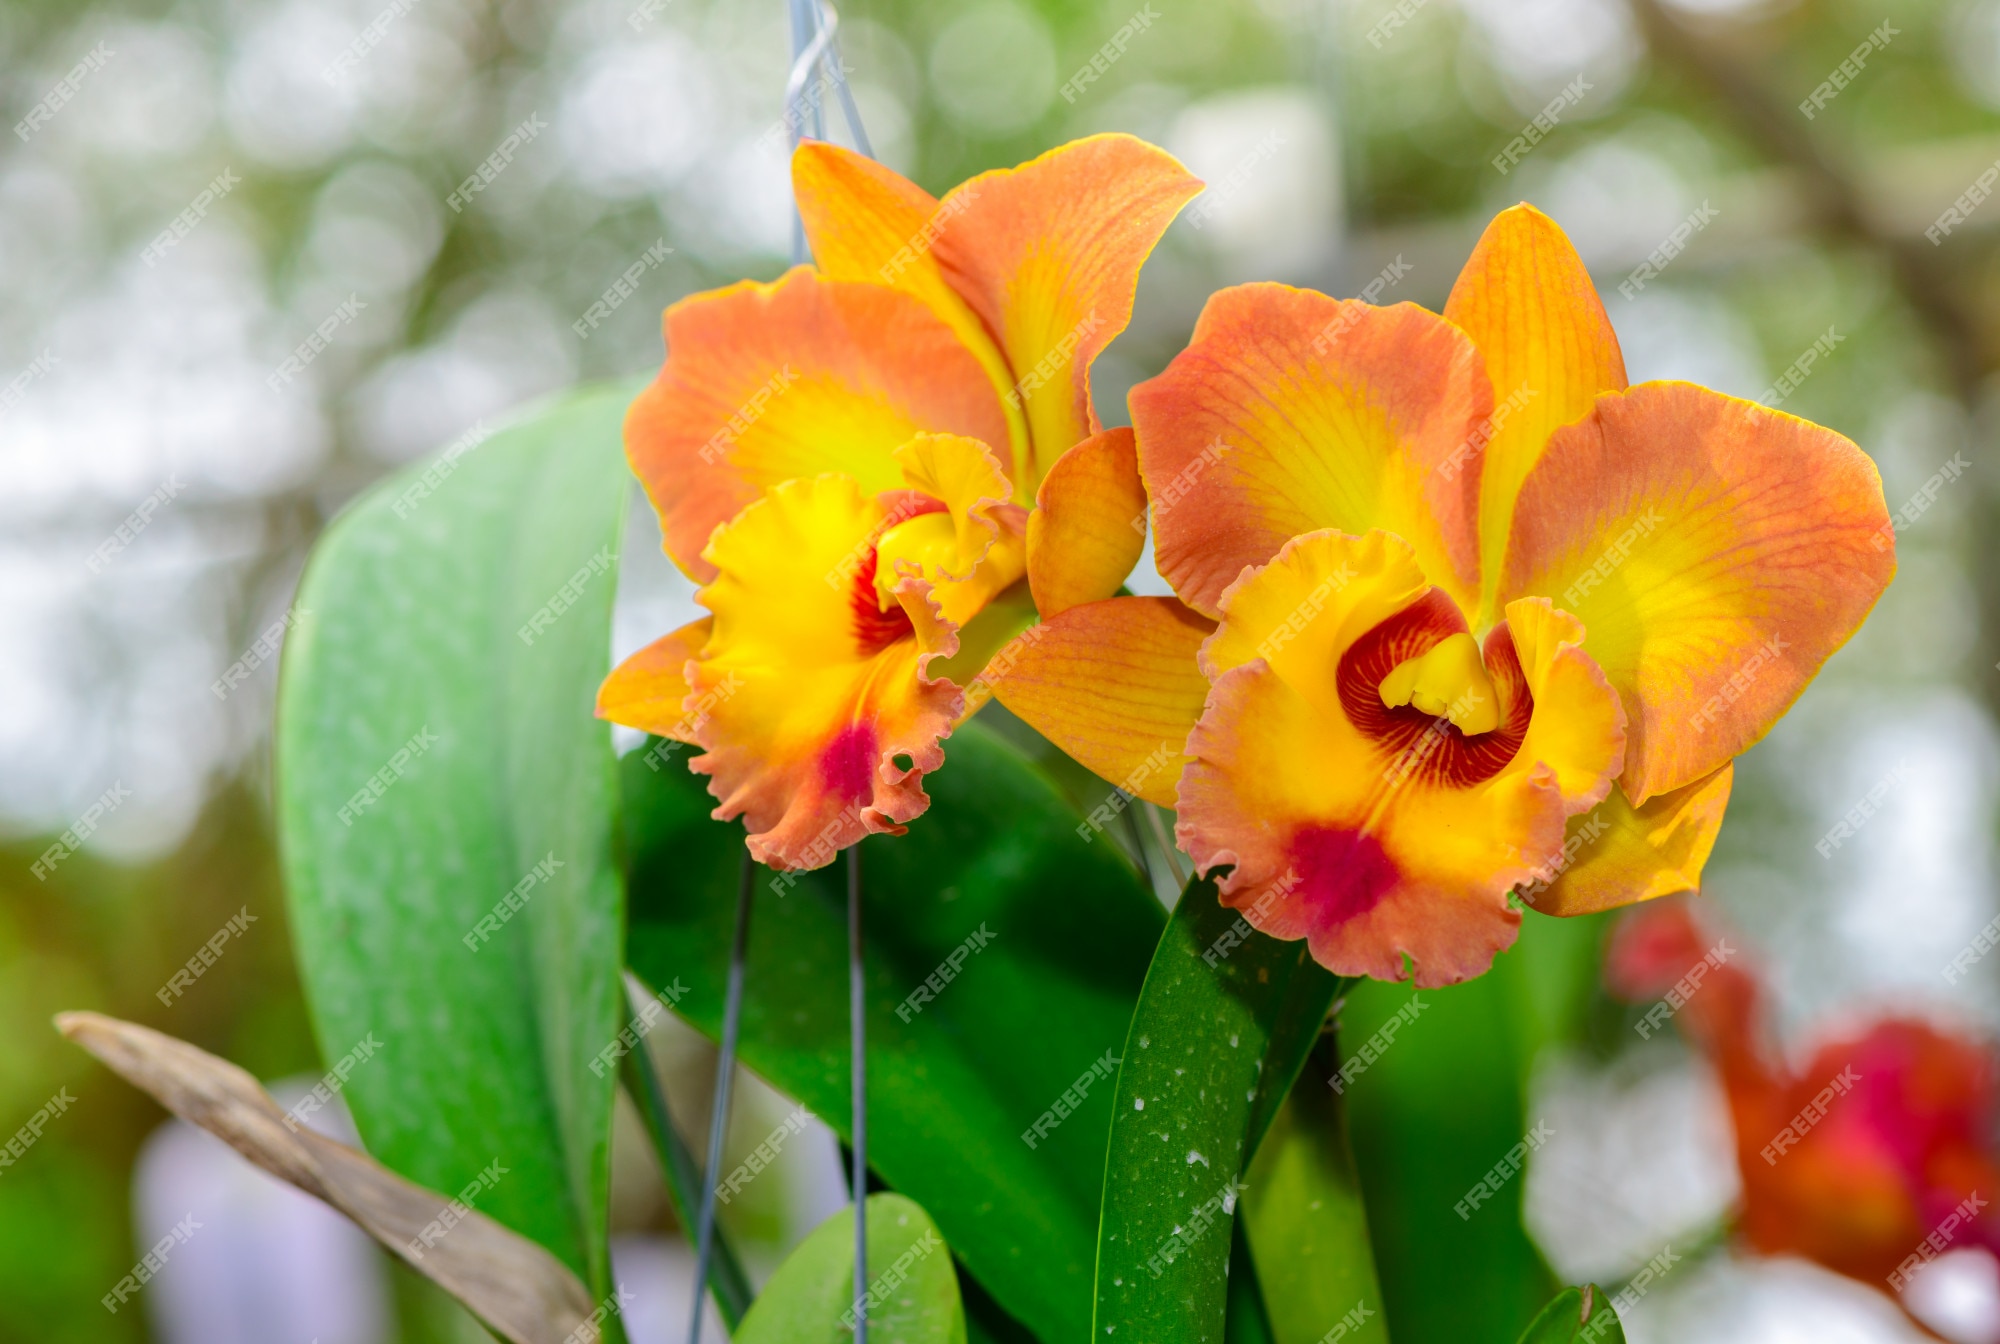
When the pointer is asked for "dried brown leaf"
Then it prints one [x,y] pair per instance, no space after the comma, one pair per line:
[508,1281]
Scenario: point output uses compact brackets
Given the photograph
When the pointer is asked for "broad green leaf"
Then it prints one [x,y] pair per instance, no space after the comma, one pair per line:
[434,762]
[1220,1032]
[955,1083]
[1307,1224]
[810,1300]
[1577,1316]
[1433,1109]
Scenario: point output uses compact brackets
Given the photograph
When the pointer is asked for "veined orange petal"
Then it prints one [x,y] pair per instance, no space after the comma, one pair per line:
[767,383]
[1089,524]
[858,214]
[1114,684]
[823,717]
[1717,553]
[1617,854]
[868,223]
[1048,256]
[649,690]
[1382,834]
[984,639]
[1290,412]
[1527,302]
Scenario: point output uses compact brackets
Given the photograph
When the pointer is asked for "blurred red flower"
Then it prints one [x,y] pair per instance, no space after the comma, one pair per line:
[1874,1157]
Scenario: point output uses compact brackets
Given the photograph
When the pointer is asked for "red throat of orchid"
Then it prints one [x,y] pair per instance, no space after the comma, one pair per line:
[874,628]
[879,623]
[1425,739]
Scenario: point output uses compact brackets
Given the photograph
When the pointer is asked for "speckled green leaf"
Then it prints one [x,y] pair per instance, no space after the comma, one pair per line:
[490,776]
[1220,1032]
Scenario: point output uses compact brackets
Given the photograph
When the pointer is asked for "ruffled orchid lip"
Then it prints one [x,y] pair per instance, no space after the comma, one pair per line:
[1385,835]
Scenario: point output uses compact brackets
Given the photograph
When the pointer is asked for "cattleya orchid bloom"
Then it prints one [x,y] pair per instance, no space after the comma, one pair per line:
[1459,611]
[1873,1156]
[862,462]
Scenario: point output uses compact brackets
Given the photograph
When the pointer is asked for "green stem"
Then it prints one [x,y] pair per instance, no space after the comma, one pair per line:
[726,1278]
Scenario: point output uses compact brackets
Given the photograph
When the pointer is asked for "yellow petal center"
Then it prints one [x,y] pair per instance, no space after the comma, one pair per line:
[928,545]
[1449,680]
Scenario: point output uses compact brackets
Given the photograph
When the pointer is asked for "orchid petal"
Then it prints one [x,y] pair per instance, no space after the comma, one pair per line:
[769,383]
[1048,256]
[1618,854]
[823,718]
[1290,412]
[1089,524]
[1526,300]
[1112,683]
[1717,553]
[649,690]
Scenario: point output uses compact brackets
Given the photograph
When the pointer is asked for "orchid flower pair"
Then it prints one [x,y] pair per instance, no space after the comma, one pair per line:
[1459,612]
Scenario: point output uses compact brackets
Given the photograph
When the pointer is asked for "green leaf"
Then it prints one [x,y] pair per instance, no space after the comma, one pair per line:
[1220,1032]
[953,1083]
[1577,1316]
[1438,1105]
[1245,1321]
[985,1322]
[809,1299]
[1306,1221]
[432,761]
[1550,977]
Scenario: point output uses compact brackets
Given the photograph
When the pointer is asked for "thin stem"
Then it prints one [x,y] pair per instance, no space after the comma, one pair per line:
[1166,843]
[718,1116]
[642,1080]
[857,999]
[803,26]
[1139,850]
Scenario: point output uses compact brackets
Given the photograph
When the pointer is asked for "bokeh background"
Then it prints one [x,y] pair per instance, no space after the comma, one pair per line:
[1345,140]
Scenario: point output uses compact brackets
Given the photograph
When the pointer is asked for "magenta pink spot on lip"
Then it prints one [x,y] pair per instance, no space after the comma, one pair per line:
[1343,874]
[847,766]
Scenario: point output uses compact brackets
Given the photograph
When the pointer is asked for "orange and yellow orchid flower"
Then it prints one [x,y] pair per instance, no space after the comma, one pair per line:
[860,460]
[1459,611]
